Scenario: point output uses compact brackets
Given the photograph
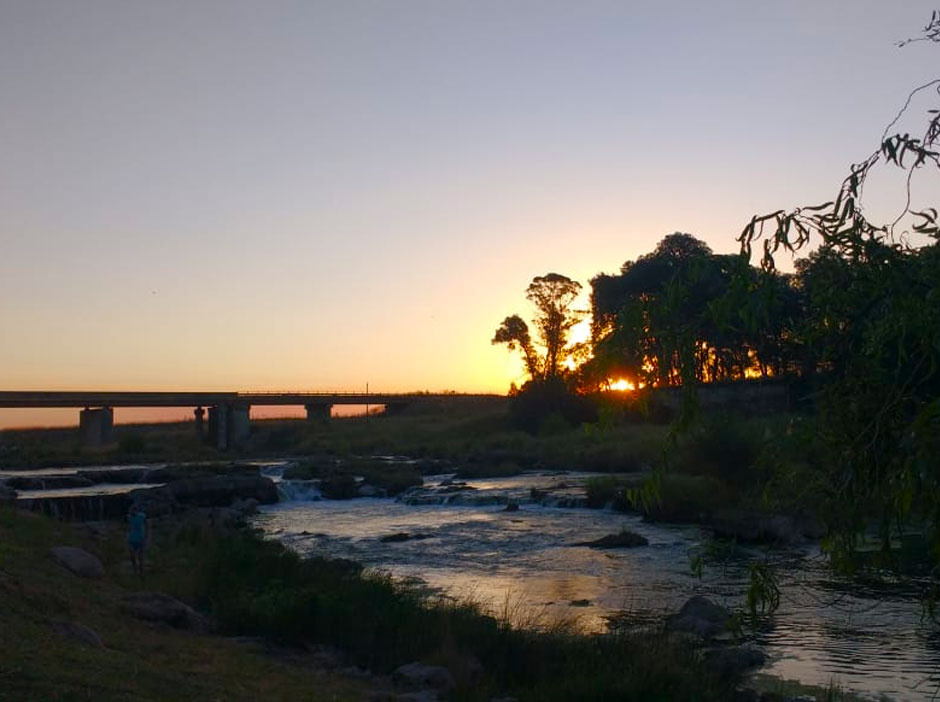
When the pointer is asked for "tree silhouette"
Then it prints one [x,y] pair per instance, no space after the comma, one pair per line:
[553,296]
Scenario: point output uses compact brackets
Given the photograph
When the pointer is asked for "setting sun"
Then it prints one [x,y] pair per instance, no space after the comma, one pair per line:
[621,385]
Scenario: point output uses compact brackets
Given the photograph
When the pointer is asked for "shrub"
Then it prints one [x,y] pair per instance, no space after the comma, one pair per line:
[601,490]
[536,402]
[724,447]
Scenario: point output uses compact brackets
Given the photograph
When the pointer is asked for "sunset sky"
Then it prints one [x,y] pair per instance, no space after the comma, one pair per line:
[221,194]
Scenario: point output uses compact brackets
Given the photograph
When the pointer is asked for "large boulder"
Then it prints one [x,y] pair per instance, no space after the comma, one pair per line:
[421,676]
[79,632]
[701,617]
[341,486]
[157,607]
[222,490]
[78,561]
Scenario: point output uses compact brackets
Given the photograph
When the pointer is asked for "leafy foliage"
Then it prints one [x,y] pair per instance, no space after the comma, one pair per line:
[872,326]
[677,316]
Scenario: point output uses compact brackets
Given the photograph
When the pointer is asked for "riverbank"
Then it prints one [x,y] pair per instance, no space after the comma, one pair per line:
[69,637]
[66,637]
[268,610]
[718,468]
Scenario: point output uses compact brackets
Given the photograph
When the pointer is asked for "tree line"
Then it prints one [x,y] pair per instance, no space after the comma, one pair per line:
[859,317]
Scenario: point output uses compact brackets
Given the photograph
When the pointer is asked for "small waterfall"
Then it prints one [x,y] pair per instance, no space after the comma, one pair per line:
[298,490]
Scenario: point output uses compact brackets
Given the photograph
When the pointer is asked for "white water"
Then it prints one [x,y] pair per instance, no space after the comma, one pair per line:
[825,630]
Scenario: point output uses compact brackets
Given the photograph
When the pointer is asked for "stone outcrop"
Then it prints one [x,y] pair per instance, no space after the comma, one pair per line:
[222,490]
[339,487]
[157,607]
[78,561]
[701,617]
[79,632]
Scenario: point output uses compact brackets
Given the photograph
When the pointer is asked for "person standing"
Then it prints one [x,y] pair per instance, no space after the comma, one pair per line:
[137,537]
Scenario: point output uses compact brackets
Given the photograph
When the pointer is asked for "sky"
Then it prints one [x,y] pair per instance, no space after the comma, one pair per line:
[313,195]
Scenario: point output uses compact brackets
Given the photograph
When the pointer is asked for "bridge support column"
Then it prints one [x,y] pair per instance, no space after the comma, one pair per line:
[239,425]
[319,412]
[199,413]
[218,427]
[229,425]
[95,426]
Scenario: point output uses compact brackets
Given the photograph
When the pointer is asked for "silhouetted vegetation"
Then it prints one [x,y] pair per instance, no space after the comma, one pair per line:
[257,587]
[855,330]
[552,295]
[549,406]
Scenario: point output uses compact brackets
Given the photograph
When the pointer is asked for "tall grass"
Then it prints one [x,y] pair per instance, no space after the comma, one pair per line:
[261,588]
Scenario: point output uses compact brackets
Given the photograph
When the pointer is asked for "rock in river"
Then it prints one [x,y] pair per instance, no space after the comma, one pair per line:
[400,536]
[700,616]
[625,539]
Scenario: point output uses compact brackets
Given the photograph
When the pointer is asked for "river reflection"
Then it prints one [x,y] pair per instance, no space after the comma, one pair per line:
[527,559]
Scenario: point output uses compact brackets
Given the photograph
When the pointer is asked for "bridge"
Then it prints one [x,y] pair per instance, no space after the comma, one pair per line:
[221,418]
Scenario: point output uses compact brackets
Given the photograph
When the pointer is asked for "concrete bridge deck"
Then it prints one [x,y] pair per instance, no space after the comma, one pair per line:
[228,412]
[81,398]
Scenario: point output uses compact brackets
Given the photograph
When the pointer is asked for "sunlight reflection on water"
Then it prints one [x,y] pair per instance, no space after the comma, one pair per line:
[527,559]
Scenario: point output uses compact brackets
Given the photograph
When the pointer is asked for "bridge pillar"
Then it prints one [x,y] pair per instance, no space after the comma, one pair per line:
[229,425]
[199,413]
[318,412]
[218,427]
[239,424]
[95,426]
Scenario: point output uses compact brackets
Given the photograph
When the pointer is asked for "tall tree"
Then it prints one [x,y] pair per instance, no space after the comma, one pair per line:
[553,296]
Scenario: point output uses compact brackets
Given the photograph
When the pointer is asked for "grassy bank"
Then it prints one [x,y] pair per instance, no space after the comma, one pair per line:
[139,661]
[257,588]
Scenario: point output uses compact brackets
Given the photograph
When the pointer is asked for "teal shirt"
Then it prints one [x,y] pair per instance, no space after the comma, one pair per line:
[138,527]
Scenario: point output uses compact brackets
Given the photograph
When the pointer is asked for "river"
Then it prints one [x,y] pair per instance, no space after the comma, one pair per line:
[827,630]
